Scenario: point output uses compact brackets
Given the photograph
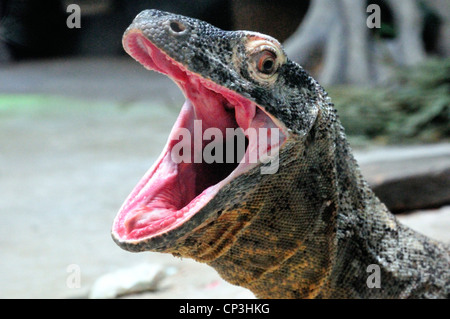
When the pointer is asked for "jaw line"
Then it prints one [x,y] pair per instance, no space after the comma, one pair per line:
[145,52]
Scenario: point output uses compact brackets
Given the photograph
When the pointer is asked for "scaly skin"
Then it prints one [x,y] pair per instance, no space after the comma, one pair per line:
[310,230]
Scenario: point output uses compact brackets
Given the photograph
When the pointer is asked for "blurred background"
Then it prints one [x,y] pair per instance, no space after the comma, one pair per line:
[81,122]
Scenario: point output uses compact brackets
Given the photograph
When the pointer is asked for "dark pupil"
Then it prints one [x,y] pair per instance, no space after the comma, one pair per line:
[267,65]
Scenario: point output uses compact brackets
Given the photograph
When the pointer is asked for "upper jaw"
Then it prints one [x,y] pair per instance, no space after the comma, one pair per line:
[168,195]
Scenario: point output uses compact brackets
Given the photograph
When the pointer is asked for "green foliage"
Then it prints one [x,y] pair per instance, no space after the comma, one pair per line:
[414,108]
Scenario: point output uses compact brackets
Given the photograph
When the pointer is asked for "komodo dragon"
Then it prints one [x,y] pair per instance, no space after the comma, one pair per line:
[313,228]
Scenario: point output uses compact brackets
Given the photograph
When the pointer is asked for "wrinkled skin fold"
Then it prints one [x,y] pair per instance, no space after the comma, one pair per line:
[311,229]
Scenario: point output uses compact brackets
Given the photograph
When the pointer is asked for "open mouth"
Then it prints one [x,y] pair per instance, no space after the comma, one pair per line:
[174,190]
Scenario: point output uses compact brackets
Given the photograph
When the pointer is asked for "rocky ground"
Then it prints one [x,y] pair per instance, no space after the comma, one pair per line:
[74,146]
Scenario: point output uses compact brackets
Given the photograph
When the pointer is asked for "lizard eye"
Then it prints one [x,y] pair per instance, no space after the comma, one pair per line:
[266,61]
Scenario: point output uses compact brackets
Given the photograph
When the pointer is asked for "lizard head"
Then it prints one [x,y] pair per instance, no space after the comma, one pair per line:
[234,81]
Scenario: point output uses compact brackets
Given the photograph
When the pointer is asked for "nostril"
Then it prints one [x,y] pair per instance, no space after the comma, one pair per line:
[177,27]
